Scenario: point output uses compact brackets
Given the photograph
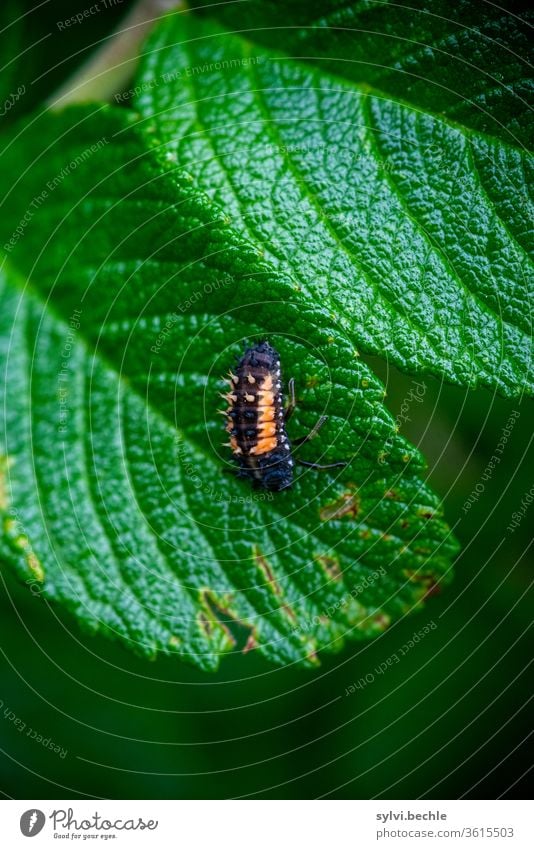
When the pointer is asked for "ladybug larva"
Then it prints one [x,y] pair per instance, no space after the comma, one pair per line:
[256,420]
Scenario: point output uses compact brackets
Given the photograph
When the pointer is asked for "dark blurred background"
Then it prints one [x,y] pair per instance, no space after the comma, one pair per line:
[450,720]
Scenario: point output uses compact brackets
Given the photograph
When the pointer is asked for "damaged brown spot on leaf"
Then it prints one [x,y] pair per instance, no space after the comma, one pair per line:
[290,613]
[381,621]
[207,624]
[429,585]
[35,566]
[330,565]
[426,514]
[313,658]
[348,504]
[266,570]
[250,644]
[20,543]
[234,633]
[265,567]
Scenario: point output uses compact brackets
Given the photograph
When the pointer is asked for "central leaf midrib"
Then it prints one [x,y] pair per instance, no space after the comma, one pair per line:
[255,237]
[271,129]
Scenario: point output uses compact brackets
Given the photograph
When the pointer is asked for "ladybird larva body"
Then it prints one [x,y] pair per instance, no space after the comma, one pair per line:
[256,421]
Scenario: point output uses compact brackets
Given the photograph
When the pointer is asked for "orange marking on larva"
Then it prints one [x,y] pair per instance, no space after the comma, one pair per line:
[267,384]
[263,446]
[267,429]
[266,415]
[265,399]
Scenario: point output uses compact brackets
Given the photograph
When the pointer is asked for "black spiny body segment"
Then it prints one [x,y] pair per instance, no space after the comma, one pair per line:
[256,419]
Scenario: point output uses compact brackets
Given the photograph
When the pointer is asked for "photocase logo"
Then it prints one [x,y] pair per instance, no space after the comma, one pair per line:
[32,822]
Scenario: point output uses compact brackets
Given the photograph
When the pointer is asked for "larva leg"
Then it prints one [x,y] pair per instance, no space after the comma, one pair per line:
[313,432]
[322,466]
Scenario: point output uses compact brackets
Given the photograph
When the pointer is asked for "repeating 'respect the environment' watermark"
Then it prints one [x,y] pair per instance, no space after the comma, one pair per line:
[185,73]
[51,185]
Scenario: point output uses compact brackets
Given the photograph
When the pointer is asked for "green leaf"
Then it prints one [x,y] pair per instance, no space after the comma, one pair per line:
[131,295]
[468,61]
[413,230]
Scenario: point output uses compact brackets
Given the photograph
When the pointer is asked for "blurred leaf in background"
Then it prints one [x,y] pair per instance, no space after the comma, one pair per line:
[43,44]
